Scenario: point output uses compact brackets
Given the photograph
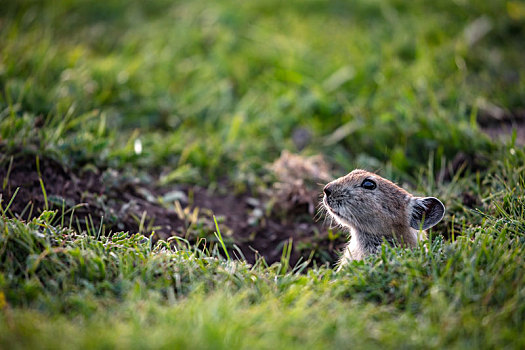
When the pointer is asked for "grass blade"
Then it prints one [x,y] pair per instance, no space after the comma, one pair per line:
[219,237]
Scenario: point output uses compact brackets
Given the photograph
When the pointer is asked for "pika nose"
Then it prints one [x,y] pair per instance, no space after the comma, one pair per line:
[327,190]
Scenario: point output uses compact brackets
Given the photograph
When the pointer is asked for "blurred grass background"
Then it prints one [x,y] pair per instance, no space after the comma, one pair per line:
[220,87]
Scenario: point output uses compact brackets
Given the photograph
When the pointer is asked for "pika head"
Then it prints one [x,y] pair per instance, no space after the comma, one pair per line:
[376,210]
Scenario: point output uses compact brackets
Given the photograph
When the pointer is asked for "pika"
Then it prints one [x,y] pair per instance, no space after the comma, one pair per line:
[374,209]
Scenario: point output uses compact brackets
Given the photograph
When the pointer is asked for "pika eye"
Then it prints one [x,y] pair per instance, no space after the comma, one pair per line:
[369,184]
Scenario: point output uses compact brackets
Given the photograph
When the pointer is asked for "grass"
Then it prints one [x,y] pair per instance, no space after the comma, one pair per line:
[182,74]
[464,293]
[210,92]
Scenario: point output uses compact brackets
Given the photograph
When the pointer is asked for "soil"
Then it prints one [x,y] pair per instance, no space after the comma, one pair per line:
[500,124]
[118,203]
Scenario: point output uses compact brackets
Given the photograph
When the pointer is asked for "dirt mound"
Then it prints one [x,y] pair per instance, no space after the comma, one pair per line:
[119,203]
[299,182]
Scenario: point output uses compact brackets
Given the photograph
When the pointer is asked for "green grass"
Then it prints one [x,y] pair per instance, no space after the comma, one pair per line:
[66,289]
[403,78]
[214,91]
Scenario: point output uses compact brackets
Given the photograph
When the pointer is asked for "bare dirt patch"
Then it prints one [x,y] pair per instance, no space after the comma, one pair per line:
[120,203]
[500,124]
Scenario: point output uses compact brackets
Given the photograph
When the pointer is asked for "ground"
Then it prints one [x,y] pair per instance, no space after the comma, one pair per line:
[106,199]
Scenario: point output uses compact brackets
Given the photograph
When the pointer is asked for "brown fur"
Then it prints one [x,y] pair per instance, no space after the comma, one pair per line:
[385,213]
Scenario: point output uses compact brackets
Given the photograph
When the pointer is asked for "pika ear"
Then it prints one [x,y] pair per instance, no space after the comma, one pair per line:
[429,209]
